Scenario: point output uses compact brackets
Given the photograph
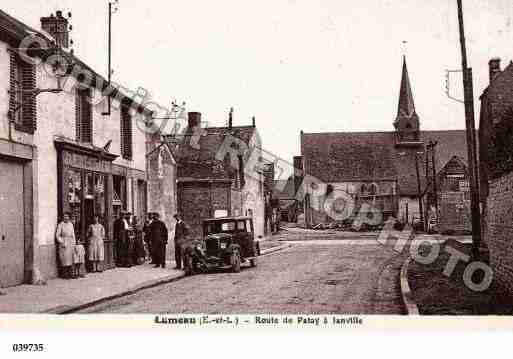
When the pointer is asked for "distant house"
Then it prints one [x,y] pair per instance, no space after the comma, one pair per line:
[496,170]
[453,194]
[376,168]
[286,195]
[211,183]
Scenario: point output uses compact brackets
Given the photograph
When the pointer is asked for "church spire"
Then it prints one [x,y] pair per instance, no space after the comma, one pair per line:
[407,123]
[406,105]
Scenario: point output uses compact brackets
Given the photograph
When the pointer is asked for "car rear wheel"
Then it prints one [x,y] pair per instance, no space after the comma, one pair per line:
[252,262]
[235,261]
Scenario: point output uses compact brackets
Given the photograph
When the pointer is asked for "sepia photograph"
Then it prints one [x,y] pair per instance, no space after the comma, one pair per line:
[256,164]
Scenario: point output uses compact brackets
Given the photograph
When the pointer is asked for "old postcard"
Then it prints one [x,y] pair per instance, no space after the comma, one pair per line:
[256,164]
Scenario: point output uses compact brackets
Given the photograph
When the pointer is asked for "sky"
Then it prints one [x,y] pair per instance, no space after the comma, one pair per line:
[316,66]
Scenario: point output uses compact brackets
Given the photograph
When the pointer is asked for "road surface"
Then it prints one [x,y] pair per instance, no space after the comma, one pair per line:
[312,277]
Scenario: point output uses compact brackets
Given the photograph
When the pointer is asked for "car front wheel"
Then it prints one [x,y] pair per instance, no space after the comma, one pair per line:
[189,265]
[235,261]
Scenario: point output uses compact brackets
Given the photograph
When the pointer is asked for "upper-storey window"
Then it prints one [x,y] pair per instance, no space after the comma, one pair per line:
[126,133]
[22,100]
[83,111]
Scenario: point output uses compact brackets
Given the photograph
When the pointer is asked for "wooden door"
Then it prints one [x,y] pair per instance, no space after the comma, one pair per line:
[12,244]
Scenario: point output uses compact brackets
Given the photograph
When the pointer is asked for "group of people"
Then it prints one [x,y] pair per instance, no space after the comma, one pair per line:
[72,252]
[128,241]
[133,243]
[156,237]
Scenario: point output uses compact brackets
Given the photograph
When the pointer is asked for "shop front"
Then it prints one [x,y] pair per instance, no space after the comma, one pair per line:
[91,184]
[85,186]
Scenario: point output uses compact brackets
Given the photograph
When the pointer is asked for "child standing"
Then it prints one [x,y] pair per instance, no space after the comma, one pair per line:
[78,260]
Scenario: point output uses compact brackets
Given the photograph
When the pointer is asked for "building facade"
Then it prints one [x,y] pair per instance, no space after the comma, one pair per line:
[215,177]
[496,170]
[59,152]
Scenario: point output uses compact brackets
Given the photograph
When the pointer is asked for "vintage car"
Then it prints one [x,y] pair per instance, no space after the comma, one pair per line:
[227,243]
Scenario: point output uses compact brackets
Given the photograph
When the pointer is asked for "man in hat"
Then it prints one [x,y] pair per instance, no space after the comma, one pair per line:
[158,237]
[181,233]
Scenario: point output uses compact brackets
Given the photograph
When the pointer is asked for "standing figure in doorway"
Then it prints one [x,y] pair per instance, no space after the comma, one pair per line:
[65,236]
[130,242]
[181,234]
[120,238]
[158,235]
[96,235]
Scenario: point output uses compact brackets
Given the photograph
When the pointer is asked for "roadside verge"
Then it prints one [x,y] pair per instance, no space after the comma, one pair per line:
[406,293]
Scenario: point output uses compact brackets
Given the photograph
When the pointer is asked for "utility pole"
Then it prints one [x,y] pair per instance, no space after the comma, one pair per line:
[419,194]
[435,189]
[428,186]
[471,138]
[109,53]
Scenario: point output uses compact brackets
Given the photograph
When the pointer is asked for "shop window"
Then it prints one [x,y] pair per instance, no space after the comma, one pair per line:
[119,195]
[74,200]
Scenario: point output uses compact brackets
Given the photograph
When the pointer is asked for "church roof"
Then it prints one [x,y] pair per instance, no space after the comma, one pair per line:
[406,106]
[373,156]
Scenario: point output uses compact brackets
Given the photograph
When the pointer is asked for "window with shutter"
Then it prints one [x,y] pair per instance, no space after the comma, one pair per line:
[83,112]
[22,99]
[126,133]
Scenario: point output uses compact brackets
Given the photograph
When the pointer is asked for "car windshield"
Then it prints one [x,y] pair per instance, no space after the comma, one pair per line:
[228,226]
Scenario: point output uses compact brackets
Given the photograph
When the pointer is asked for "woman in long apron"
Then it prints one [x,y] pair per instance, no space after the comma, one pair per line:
[65,236]
[96,233]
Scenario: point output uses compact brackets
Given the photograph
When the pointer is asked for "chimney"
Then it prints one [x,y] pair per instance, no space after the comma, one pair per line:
[57,26]
[194,119]
[494,67]
[254,121]
[230,119]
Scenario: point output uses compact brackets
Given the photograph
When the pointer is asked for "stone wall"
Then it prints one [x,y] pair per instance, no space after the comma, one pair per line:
[199,200]
[499,229]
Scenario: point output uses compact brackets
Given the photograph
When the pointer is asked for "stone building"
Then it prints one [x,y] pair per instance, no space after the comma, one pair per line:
[162,188]
[59,152]
[496,170]
[374,169]
[216,173]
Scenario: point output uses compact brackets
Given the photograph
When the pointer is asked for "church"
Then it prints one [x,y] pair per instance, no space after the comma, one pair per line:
[391,170]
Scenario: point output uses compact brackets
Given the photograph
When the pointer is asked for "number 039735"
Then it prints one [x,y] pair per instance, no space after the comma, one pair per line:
[28,347]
